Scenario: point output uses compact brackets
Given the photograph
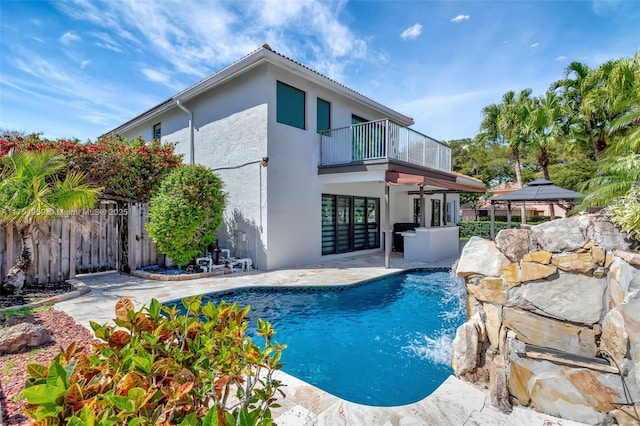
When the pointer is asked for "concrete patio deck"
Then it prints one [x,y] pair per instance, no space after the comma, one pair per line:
[454,403]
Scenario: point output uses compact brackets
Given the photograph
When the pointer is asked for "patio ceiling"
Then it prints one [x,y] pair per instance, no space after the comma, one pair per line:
[397,178]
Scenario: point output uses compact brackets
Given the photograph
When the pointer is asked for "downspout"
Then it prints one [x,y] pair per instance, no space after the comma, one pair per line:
[191,147]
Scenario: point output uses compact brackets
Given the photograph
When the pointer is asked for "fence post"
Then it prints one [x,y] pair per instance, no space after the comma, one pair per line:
[11,258]
[72,249]
[132,243]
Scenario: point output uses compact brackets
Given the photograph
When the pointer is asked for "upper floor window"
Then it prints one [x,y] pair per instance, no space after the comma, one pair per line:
[357,120]
[323,115]
[290,106]
[157,131]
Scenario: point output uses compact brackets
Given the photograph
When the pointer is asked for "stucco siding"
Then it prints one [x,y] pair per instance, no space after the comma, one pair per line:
[230,129]
[294,189]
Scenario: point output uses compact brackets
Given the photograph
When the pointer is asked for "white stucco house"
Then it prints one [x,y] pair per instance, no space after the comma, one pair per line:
[342,168]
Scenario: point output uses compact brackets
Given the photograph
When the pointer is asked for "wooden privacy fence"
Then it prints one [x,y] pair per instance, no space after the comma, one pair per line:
[110,237]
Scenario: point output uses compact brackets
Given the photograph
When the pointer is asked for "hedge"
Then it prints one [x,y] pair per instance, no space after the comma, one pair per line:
[482,229]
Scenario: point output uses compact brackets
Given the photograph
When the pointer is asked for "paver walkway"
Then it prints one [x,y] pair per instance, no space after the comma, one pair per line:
[454,403]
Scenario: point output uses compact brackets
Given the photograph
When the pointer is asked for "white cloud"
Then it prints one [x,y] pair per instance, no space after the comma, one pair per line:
[412,32]
[69,37]
[560,58]
[197,40]
[107,42]
[84,64]
[460,18]
[162,77]
[155,75]
[536,44]
[51,80]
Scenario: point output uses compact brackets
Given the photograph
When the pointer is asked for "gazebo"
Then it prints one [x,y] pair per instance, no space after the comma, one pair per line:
[539,191]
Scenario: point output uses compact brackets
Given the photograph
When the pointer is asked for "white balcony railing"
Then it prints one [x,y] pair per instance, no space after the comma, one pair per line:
[382,139]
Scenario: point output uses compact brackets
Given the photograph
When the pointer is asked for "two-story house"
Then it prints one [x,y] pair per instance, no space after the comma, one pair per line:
[342,168]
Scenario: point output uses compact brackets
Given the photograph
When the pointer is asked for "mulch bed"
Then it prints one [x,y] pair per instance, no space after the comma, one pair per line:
[64,331]
[34,293]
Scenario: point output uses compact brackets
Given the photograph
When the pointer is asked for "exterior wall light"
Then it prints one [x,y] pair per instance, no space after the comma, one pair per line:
[265,161]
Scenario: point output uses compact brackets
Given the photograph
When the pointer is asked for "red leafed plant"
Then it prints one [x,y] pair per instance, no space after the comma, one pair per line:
[131,169]
[162,365]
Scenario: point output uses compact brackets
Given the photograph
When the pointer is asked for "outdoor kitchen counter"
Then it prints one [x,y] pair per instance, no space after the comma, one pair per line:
[430,244]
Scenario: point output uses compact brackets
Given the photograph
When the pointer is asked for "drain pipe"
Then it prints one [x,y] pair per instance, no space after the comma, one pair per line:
[191,147]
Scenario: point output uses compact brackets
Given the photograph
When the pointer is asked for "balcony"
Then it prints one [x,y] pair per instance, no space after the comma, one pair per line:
[382,139]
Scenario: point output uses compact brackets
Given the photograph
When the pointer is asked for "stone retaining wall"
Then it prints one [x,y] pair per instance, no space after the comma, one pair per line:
[553,319]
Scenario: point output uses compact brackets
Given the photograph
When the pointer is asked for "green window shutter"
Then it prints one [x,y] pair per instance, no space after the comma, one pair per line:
[323,113]
[290,106]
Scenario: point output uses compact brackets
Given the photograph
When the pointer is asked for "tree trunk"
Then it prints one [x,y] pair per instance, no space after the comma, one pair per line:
[516,165]
[594,149]
[543,158]
[17,275]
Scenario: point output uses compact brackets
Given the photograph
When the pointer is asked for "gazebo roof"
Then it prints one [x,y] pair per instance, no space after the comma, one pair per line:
[540,190]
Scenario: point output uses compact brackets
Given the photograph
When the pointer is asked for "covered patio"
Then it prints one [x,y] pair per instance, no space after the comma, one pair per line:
[538,191]
[422,244]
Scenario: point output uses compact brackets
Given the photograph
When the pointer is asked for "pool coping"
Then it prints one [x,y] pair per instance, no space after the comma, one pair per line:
[453,403]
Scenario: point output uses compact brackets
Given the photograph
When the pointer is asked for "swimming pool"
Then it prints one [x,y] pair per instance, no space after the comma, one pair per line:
[386,342]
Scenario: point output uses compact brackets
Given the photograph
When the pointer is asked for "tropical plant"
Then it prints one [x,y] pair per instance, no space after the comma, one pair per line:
[186,212]
[621,174]
[625,212]
[583,107]
[30,192]
[162,366]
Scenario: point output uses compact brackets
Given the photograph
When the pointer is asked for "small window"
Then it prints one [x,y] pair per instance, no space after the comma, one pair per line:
[157,131]
[323,115]
[290,106]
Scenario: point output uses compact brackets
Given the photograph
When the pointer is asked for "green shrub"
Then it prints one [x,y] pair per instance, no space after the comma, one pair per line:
[501,218]
[186,212]
[482,229]
[159,366]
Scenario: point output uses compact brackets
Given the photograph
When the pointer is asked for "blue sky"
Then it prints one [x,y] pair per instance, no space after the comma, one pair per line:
[80,68]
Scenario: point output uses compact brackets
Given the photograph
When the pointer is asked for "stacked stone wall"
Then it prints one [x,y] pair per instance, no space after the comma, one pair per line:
[553,320]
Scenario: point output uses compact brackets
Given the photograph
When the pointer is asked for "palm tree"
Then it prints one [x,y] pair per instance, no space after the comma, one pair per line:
[542,127]
[30,192]
[541,120]
[577,91]
[622,87]
[501,123]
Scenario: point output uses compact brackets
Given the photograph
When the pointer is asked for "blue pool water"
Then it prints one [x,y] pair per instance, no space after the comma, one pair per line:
[384,343]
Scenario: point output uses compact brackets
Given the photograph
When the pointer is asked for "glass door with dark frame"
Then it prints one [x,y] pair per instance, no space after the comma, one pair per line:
[436,213]
[349,223]
[343,225]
